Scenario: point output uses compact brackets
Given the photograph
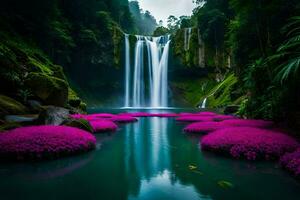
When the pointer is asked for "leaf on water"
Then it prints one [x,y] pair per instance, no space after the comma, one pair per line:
[225,184]
[198,172]
[192,167]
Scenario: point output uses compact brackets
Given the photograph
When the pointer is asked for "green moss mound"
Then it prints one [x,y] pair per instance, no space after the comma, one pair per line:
[51,90]
[80,123]
[221,94]
[10,106]
[9,126]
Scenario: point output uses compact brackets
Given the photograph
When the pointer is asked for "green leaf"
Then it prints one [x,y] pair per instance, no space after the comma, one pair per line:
[225,184]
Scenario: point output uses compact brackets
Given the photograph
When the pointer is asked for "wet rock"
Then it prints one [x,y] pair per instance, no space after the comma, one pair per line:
[34,105]
[20,118]
[52,115]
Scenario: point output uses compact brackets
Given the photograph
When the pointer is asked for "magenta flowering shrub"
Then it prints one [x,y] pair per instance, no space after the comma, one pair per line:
[101,125]
[101,115]
[77,116]
[219,118]
[248,123]
[123,119]
[136,114]
[91,117]
[249,143]
[291,162]
[203,127]
[44,142]
[164,115]
[206,113]
[198,114]
[195,119]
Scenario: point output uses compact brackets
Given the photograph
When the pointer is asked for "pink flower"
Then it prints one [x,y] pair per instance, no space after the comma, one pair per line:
[190,118]
[208,114]
[41,142]
[203,127]
[136,114]
[123,119]
[249,143]
[101,125]
[248,123]
[291,161]
[164,115]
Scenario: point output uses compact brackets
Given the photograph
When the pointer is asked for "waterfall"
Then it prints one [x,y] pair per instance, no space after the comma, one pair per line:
[138,77]
[127,70]
[204,103]
[152,83]
[187,38]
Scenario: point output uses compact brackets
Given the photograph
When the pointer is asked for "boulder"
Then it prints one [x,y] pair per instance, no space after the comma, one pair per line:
[34,105]
[52,115]
[51,90]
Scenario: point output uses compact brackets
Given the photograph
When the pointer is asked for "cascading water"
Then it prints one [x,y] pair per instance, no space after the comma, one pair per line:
[138,77]
[204,103]
[187,38]
[152,83]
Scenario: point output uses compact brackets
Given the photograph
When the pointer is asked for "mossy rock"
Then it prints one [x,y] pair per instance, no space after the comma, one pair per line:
[83,106]
[9,126]
[74,102]
[36,66]
[73,99]
[51,90]
[11,106]
[79,123]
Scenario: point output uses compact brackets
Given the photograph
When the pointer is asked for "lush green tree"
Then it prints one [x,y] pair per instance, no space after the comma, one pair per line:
[144,21]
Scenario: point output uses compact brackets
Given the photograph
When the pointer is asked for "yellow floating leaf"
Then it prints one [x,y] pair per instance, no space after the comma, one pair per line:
[225,184]
[192,167]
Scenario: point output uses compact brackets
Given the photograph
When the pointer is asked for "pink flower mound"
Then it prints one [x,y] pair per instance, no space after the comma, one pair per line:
[77,116]
[137,114]
[219,118]
[44,142]
[103,126]
[92,117]
[248,123]
[249,143]
[164,115]
[208,114]
[203,127]
[194,119]
[123,119]
[102,115]
[291,161]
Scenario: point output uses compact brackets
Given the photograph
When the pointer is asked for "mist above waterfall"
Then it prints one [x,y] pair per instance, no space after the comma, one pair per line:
[146,76]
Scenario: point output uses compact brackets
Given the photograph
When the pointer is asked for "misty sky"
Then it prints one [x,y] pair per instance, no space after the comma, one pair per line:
[161,9]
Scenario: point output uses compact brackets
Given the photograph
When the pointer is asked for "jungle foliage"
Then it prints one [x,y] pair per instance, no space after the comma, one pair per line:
[259,42]
[85,37]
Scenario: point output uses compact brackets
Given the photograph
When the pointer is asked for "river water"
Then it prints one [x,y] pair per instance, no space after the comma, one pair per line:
[151,159]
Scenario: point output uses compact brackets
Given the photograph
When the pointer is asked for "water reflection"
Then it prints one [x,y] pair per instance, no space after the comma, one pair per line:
[163,186]
[148,159]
